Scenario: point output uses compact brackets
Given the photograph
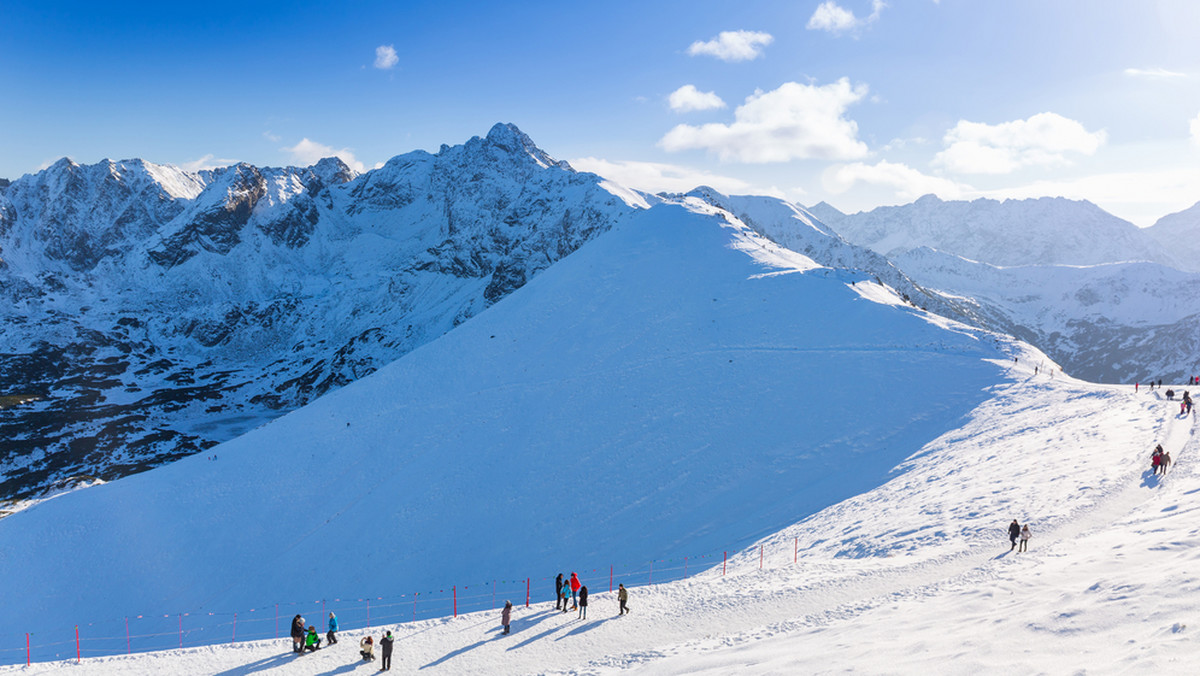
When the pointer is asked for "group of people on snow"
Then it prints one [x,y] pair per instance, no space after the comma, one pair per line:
[1159,460]
[570,591]
[1017,531]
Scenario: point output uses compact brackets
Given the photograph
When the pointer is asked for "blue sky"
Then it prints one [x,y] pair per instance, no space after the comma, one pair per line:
[856,102]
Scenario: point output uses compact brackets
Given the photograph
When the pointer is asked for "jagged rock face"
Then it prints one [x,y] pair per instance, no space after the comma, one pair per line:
[154,312]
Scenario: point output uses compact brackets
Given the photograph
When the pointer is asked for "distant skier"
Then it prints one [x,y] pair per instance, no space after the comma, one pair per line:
[558,597]
[1025,535]
[385,644]
[312,642]
[506,615]
[298,634]
[330,636]
[1014,531]
[367,648]
[623,597]
[574,591]
[583,602]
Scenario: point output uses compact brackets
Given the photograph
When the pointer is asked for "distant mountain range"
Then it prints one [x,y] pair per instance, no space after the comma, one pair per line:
[150,312]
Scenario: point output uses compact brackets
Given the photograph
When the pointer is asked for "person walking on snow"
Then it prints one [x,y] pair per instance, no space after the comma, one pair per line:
[574,591]
[1014,531]
[386,644]
[565,595]
[583,602]
[330,637]
[1156,461]
[506,615]
[1025,535]
[623,597]
[558,596]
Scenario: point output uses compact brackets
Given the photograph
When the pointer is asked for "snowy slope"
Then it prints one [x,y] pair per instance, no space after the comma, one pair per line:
[913,577]
[679,384]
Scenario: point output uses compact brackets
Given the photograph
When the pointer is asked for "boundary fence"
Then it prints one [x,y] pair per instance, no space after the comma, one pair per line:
[163,631]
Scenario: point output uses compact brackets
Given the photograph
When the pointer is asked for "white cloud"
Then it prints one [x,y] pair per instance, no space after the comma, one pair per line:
[687,98]
[206,162]
[733,45]
[1042,140]
[833,18]
[1194,127]
[793,122]
[1154,73]
[656,177]
[385,57]
[307,153]
[908,183]
[273,138]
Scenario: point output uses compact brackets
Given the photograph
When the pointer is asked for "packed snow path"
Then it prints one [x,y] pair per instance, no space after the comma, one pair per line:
[913,577]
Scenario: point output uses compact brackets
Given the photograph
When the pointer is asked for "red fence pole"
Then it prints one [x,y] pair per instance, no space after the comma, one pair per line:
[685,567]
[180,630]
[760,556]
[276,620]
[415,606]
[528,580]
[78,652]
[610,578]
[234,639]
[454,590]
[724,560]
[651,572]
[128,649]
[28,655]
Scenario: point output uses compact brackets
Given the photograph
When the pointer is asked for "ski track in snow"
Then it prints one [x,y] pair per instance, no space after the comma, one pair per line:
[910,577]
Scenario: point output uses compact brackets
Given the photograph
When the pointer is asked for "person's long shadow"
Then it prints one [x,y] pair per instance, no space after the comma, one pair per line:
[547,615]
[1150,479]
[583,628]
[261,665]
[460,651]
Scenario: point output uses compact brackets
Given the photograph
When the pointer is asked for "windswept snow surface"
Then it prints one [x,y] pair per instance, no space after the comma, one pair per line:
[912,577]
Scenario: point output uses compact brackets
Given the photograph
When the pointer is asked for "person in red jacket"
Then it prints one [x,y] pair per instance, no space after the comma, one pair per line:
[574,592]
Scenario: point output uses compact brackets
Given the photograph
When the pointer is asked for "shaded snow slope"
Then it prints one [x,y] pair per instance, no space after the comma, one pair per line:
[912,577]
[677,385]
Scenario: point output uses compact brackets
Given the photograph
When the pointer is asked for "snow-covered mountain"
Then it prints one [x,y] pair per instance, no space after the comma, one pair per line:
[1179,233]
[1121,322]
[1044,231]
[680,383]
[149,312]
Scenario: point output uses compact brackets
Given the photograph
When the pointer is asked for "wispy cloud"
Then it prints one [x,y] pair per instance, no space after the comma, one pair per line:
[385,57]
[795,121]
[833,18]
[273,138]
[733,45]
[206,162]
[1044,139]
[306,153]
[906,182]
[654,177]
[1154,73]
[687,98]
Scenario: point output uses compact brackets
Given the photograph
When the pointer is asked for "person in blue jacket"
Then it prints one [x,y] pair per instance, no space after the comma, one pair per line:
[331,637]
